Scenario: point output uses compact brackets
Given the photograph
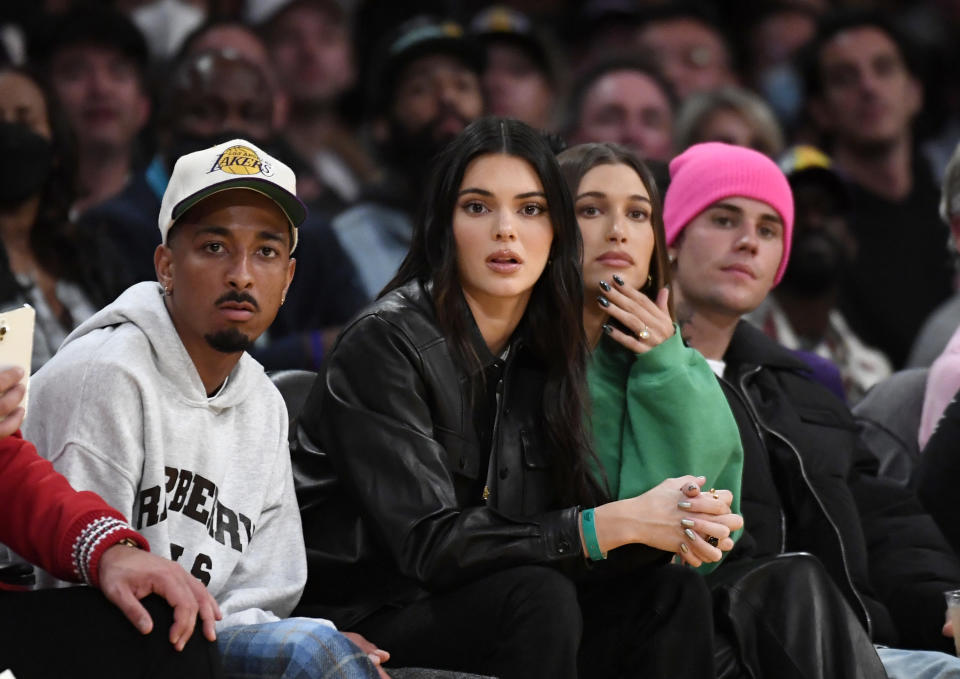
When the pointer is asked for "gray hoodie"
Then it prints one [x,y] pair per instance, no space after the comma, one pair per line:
[121,410]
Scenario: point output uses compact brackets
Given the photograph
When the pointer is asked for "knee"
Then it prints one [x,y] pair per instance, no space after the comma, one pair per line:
[542,597]
[682,587]
[295,647]
[799,567]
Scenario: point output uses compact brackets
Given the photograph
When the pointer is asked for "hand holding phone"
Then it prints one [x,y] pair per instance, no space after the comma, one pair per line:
[16,343]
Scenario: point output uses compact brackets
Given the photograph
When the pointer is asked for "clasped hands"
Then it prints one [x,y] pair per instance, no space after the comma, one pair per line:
[674,516]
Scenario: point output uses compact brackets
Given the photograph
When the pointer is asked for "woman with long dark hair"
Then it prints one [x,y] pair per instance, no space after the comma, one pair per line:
[44,261]
[657,410]
[448,492]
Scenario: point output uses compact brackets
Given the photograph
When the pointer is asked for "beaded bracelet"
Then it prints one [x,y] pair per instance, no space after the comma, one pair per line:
[590,535]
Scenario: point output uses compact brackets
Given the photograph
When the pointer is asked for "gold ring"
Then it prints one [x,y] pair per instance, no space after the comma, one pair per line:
[715,493]
[645,333]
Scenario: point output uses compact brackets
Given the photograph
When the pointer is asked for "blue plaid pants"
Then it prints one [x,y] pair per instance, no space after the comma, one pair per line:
[295,648]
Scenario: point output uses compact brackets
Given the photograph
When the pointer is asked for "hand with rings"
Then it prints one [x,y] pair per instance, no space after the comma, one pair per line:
[697,531]
[648,322]
[671,518]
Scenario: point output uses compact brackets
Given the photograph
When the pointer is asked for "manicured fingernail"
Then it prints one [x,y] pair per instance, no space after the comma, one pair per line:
[684,548]
[143,625]
[604,302]
[607,328]
[689,533]
[684,505]
[374,658]
[687,523]
[604,286]
[692,486]
[702,478]
[617,279]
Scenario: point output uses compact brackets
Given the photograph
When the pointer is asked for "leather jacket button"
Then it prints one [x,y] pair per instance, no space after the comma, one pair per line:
[563,547]
[504,473]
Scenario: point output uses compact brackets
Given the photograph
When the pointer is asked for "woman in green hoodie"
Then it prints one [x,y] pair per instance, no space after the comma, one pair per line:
[657,411]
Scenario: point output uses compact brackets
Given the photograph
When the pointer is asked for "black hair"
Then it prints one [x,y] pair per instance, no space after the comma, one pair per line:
[577,161]
[840,21]
[603,67]
[94,24]
[553,317]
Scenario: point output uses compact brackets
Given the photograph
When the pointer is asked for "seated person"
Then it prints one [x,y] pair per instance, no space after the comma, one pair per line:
[443,453]
[646,388]
[80,538]
[809,483]
[160,409]
[65,275]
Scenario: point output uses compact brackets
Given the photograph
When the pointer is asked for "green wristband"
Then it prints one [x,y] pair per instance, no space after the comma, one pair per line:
[590,535]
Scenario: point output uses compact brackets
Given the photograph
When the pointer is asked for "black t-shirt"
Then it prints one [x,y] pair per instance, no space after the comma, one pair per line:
[902,271]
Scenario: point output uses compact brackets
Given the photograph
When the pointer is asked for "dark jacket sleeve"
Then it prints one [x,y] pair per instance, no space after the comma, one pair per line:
[43,516]
[371,413]
[911,563]
[937,473]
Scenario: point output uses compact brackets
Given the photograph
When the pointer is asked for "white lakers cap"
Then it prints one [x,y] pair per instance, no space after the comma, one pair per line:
[236,164]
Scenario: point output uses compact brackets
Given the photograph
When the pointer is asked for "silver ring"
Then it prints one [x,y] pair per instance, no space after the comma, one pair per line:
[645,333]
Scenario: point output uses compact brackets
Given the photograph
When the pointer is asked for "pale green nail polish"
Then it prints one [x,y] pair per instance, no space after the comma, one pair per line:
[684,505]
[690,534]
[687,523]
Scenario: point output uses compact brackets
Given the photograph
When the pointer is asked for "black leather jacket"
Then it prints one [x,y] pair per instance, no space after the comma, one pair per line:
[387,466]
[879,545]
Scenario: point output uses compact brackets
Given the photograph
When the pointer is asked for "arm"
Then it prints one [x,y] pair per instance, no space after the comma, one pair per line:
[659,413]
[49,523]
[911,563]
[377,427]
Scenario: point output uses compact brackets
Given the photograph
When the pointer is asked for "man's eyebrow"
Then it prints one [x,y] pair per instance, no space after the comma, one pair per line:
[766,216]
[271,235]
[772,217]
[727,206]
[213,229]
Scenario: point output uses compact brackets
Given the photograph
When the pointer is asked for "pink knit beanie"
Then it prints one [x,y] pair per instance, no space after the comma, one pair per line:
[706,173]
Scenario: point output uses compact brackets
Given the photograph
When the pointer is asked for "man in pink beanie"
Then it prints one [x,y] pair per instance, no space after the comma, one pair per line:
[809,483]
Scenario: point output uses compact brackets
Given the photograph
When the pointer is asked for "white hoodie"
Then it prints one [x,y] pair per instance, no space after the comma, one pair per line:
[121,410]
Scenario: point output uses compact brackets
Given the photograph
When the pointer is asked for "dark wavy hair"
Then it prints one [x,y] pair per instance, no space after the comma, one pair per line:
[575,162]
[553,318]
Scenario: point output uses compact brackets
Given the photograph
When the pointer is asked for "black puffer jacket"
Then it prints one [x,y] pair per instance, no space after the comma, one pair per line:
[810,484]
[387,465]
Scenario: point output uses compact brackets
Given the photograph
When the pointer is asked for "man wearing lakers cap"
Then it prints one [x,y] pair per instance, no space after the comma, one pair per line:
[154,404]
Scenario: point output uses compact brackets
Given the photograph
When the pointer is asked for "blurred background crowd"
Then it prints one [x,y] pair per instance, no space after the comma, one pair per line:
[859,102]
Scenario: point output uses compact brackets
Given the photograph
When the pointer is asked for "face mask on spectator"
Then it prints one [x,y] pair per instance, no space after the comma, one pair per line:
[780,85]
[27,159]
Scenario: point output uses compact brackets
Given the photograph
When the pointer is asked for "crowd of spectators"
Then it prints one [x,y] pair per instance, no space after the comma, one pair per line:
[855,102]
[357,97]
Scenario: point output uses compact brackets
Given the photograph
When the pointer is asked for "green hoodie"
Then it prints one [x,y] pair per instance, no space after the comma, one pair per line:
[659,415]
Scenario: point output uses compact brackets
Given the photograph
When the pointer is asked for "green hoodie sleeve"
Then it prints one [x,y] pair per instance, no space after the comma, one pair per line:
[659,415]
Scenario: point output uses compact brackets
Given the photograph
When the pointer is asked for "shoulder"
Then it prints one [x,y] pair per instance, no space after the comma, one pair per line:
[405,313]
[105,354]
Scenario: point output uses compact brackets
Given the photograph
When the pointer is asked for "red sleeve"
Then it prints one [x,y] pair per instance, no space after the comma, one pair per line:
[49,523]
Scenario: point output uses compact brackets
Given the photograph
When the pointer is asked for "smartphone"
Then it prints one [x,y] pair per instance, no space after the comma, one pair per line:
[16,342]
